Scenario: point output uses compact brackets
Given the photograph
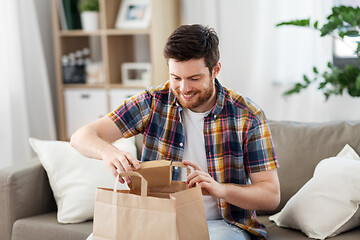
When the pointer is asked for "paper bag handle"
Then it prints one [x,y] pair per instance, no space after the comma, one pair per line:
[182,165]
[144,183]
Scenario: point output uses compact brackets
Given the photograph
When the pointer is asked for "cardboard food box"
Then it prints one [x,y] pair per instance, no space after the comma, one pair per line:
[157,173]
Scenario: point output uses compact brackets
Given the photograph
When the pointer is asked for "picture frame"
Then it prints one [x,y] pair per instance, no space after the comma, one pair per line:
[134,14]
[136,74]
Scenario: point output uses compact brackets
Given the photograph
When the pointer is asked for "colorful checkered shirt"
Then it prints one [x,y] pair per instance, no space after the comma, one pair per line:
[237,140]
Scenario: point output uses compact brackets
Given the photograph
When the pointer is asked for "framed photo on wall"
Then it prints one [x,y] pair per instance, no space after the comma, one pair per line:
[136,74]
[134,14]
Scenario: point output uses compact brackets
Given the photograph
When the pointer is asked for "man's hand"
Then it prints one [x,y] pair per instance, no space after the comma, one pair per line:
[94,141]
[262,194]
[119,161]
[208,185]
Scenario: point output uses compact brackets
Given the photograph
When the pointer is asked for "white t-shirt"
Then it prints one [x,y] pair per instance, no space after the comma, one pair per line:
[194,151]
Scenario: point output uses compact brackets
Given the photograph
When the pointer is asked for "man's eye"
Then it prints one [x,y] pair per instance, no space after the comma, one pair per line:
[176,78]
[195,79]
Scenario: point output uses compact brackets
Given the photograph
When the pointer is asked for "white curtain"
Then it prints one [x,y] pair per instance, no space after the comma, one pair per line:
[25,99]
[262,61]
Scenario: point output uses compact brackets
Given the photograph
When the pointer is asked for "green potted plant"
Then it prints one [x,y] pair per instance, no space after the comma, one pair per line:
[89,13]
[343,21]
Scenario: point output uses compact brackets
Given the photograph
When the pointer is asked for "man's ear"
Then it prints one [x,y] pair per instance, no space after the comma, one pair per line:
[216,70]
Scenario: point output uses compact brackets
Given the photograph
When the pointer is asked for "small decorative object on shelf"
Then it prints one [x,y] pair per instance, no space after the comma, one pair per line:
[134,14]
[136,74]
[89,10]
[74,66]
[95,73]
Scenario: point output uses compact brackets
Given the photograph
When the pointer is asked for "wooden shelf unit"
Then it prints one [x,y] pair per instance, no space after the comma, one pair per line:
[117,46]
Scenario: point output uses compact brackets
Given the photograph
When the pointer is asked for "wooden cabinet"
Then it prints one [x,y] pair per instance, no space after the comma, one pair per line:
[114,47]
[82,106]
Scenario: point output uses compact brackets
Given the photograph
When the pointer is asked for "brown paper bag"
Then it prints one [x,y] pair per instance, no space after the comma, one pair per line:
[165,212]
[122,215]
[190,212]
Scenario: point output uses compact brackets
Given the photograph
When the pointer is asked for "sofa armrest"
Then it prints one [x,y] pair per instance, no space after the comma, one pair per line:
[24,192]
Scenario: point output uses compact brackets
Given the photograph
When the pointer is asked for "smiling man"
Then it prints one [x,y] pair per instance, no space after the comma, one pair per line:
[192,118]
[191,83]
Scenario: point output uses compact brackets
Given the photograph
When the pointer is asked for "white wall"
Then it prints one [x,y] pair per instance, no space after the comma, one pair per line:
[261,61]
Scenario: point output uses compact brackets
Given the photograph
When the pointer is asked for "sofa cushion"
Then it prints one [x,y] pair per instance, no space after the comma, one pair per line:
[24,192]
[277,233]
[73,178]
[327,201]
[46,226]
[300,147]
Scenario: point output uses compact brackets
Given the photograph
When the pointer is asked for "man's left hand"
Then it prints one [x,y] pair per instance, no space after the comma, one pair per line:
[208,185]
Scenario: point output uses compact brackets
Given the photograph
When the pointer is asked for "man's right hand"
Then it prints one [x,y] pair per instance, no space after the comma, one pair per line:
[94,141]
[119,161]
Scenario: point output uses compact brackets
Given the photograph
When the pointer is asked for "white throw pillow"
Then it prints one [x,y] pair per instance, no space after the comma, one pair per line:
[73,178]
[348,152]
[328,203]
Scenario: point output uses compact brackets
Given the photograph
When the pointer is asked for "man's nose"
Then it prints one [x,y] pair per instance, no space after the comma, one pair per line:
[185,86]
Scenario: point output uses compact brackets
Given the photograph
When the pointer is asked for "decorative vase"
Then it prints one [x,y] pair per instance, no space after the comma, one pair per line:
[90,21]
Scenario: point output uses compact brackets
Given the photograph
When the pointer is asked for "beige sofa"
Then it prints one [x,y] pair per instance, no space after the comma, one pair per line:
[28,209]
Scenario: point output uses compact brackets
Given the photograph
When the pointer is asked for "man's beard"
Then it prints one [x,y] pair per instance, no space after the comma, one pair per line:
[202,96]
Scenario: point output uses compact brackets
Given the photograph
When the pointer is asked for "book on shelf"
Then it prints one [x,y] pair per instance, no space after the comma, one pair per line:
[72,14]
[60,7]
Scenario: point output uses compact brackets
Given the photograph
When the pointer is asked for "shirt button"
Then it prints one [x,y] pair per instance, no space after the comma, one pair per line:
[181,144]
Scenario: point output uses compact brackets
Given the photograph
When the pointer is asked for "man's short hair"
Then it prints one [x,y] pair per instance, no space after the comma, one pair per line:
[193,42]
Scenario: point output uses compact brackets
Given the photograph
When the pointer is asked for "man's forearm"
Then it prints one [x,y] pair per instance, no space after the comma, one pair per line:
[88,143]
[94,139]
[263,193]
[258,196]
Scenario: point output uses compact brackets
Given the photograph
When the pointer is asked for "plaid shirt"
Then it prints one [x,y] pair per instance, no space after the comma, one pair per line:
[237,140]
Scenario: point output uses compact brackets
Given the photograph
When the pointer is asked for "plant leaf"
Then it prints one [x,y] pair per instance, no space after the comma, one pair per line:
[352,33]
[316,24]
[327,95]
[357,84]
[357,51]
[328,28]
[315,70]
[301,22]
[322,85]
[342,34]
[306,79]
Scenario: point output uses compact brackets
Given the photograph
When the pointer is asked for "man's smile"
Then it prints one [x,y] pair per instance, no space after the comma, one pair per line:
[188,96]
